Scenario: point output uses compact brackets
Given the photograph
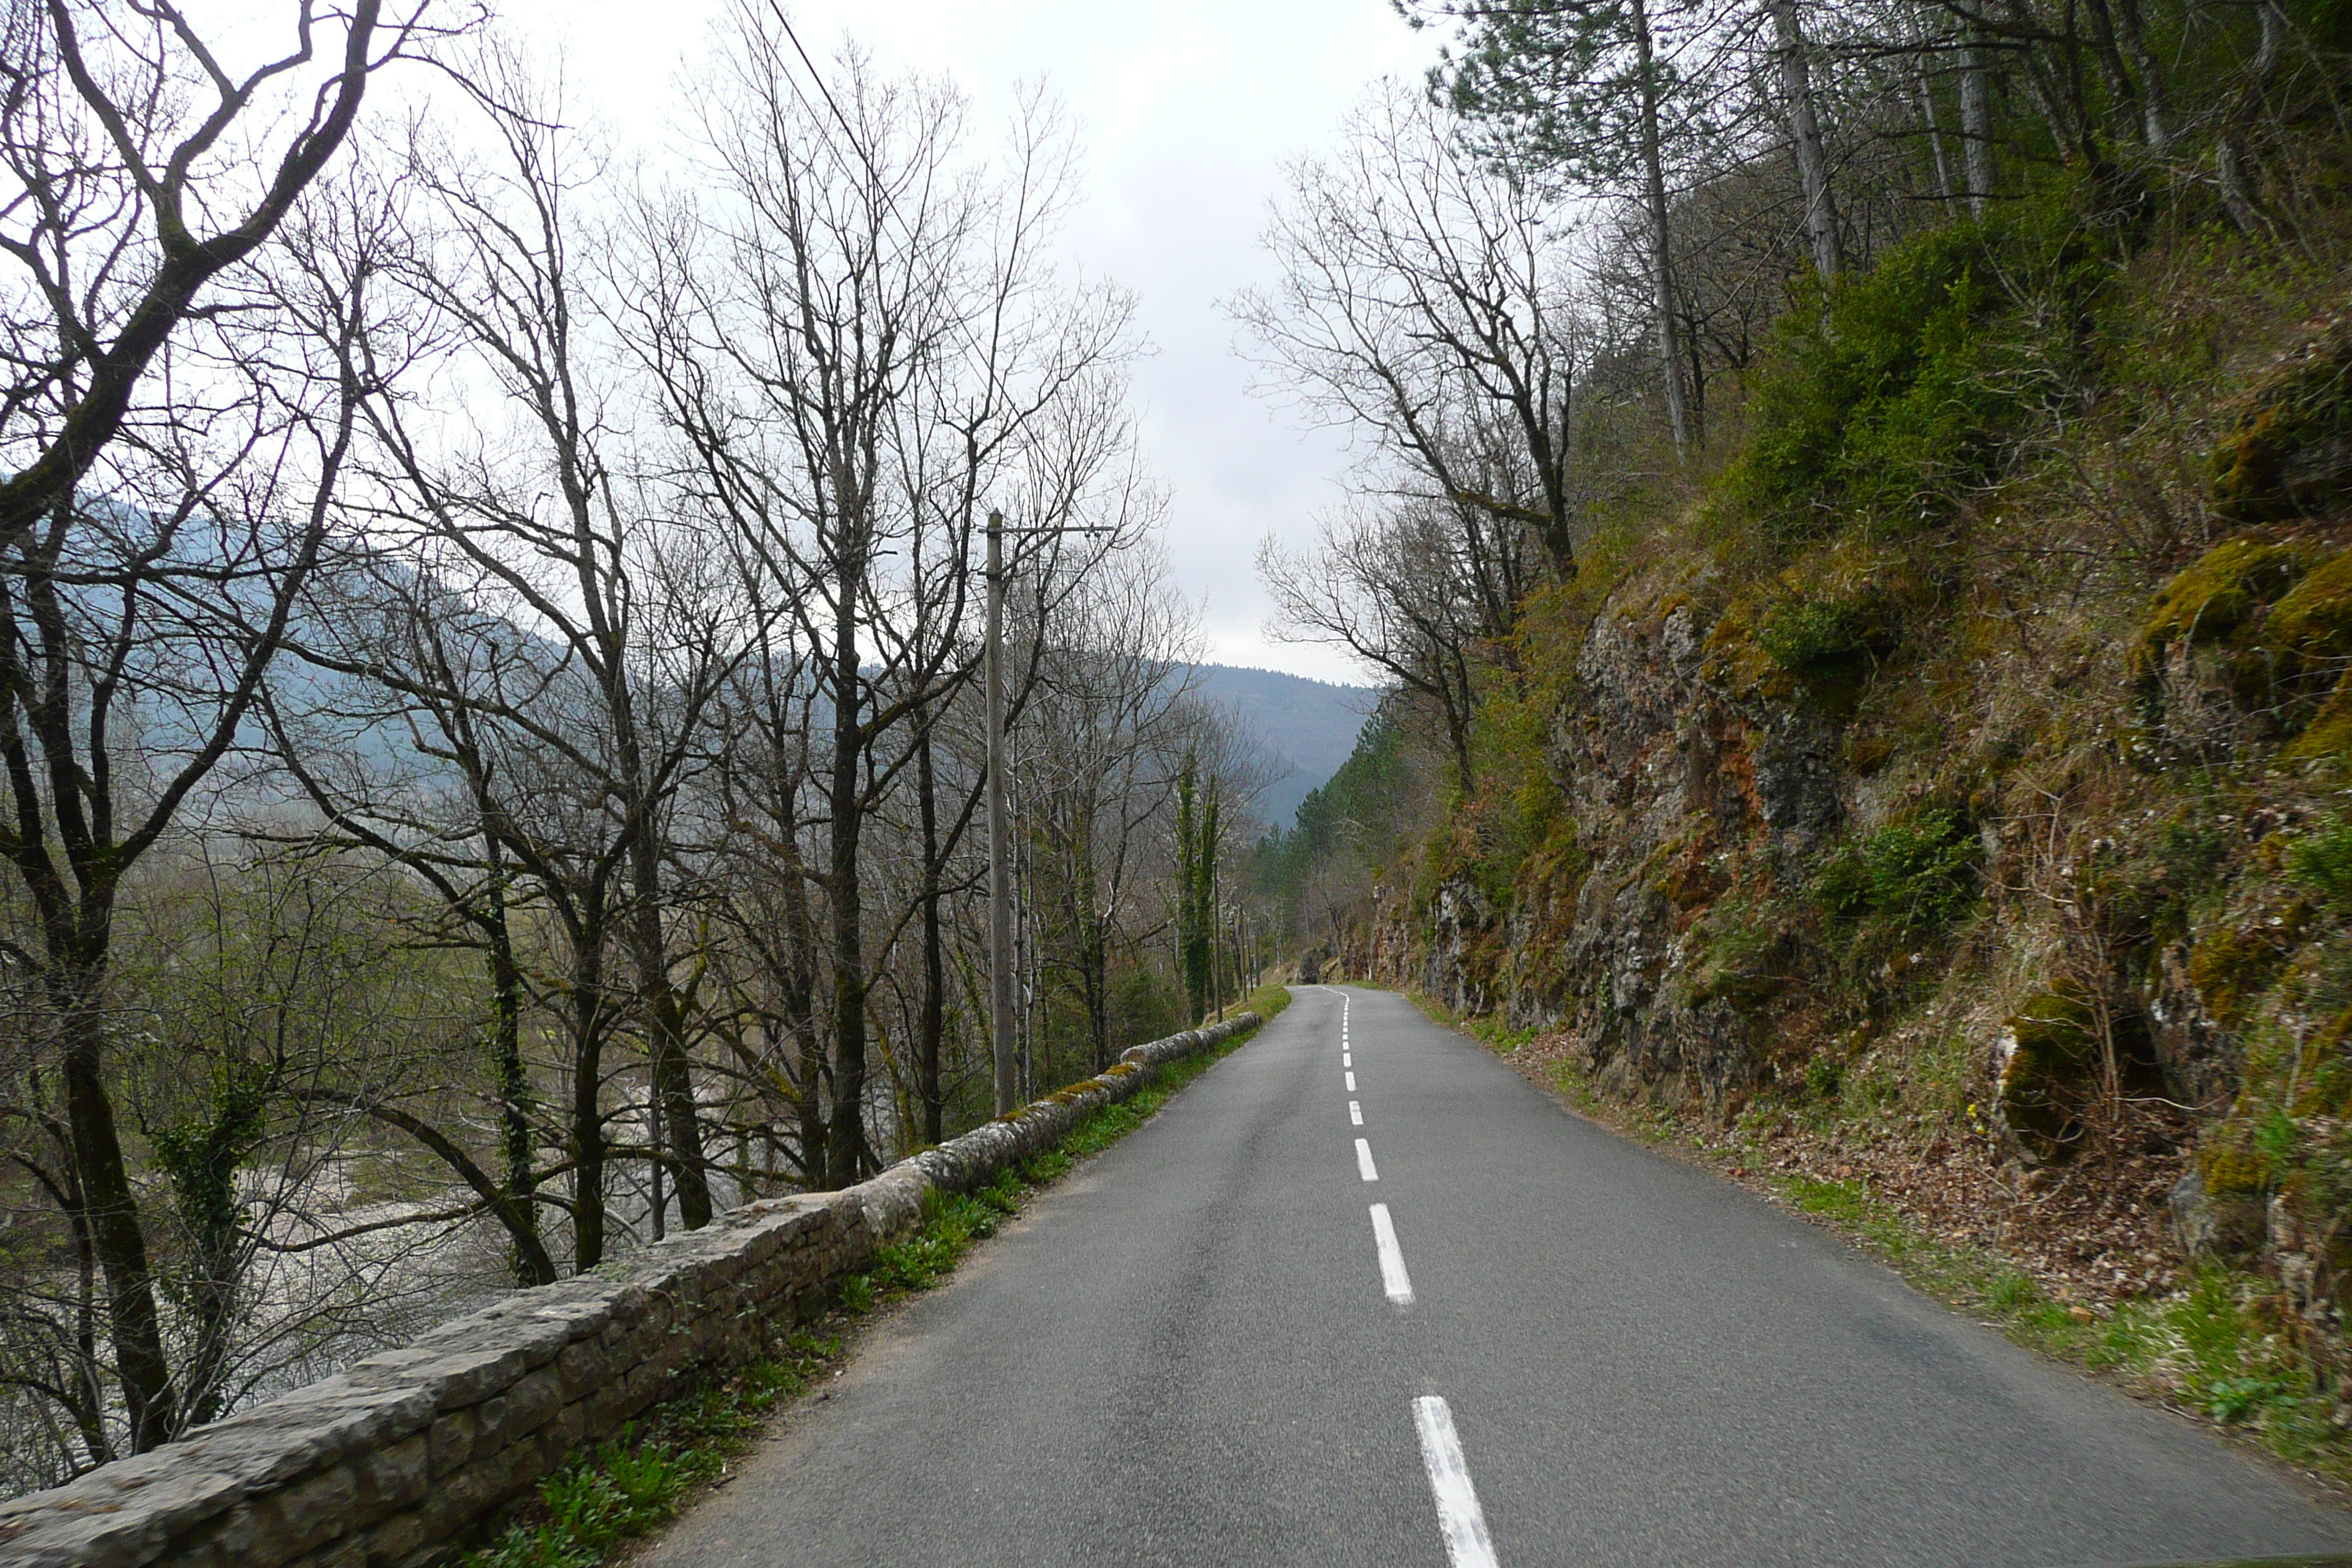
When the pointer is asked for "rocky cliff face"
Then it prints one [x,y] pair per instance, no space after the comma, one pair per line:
[1687,778]
[2069,876]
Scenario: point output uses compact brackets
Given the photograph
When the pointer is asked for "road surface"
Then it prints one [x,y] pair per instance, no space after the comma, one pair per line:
[1362,1296]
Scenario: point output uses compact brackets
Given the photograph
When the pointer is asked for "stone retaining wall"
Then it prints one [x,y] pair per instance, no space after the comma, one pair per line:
[399,1461]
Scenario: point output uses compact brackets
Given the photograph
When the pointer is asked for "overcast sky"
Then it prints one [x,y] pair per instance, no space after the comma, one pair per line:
[1186,112]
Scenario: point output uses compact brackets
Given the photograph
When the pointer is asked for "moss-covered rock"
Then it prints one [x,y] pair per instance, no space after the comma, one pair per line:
[2230,1165]
[2313,622]
[2049,1067]
[2328,736]
[2234,961]
[2291,455]
[2215,597]
[1738,661]
[2213,1228]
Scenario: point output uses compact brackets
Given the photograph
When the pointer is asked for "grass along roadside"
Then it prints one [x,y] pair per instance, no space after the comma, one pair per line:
[2219,1348]
[649,1472]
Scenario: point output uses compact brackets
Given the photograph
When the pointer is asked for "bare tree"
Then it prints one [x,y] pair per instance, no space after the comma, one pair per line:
[1389,588]
[1794,58]
[150,547]
[857,343]
[1425,300]
[134,634]
[551,620]
[1110,717]
[133,194]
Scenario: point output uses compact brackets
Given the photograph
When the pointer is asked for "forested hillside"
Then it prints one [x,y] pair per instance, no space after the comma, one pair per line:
[1860,527]
[1306,728]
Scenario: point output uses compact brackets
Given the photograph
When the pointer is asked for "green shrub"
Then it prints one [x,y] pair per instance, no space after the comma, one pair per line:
[1886,398]
[1831,645]
[1810,635]
[2231,1400]
[1911,877]
[2012,1291]
[2322,861]
[2189,851]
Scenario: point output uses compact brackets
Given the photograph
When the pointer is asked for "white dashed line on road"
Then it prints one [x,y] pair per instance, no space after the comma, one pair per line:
[1351,1082]
[1393,1278]
[1355,1113]
[1468,1544]
[1364,1166]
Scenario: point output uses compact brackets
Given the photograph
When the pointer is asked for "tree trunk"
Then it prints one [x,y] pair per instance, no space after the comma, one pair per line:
[799,984]
[2272,49]
[88,1398]
[1933,122]
[1654,185]
[2062,103]
[679,1125]
[2231,158]
[1976,125]
[932,1026]
[2122,93]
[112,1207]
[848,1158]
[1805,136]
[587,1102]
[2155,110]
[528,1259]
[2237,198]
[1094,963]
[673,1076]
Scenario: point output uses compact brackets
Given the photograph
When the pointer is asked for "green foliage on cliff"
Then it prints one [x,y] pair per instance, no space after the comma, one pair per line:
[2322,860]
[1911,877]
[1812,635]
[1975,670]
[1884,399]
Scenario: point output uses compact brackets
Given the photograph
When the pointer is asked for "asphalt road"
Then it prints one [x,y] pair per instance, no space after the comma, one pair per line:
[1196,1351]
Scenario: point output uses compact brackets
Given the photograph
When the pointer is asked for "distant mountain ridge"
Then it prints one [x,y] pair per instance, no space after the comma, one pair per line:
[1309,724]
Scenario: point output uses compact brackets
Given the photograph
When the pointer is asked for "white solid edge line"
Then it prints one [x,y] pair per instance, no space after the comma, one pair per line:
[1351,1082]
[1393,1278]
[1355,1113]
[1364,1166]
[1468,1544]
